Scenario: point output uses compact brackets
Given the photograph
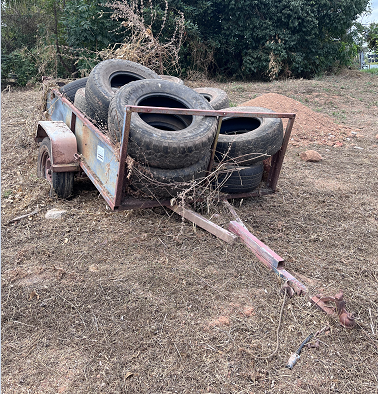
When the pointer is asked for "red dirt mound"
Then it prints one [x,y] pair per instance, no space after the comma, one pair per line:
[310,127]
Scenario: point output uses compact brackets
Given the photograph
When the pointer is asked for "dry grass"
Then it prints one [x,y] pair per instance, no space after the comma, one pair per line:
[138,302]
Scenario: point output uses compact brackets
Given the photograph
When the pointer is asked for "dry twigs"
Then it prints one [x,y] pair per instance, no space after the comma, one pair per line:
[142,45]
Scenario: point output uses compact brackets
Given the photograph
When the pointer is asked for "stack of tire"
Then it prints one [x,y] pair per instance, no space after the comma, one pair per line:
[243,145]
[170,151]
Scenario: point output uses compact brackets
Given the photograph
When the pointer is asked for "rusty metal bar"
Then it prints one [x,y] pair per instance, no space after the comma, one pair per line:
[262,251]
[122,158]
[201,112]
[269,258]
[277,159]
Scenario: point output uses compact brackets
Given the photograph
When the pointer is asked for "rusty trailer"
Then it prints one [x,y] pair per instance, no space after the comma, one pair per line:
[76,144]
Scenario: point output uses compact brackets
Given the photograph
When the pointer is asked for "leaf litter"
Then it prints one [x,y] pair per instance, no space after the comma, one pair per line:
[142,302]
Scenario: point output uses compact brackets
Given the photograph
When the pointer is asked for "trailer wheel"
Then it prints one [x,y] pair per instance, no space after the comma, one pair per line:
[104,81]
[248,140]
[235,179]
[163,183]
[61,182]
[163,140]
[69,90]
[217,98]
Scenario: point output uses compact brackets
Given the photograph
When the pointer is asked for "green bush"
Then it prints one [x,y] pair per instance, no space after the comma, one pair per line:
[244,39]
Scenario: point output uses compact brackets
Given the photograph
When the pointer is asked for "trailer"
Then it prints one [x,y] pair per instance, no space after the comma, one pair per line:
[70,143]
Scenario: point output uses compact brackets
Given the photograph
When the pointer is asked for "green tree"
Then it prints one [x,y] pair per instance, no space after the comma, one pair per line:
[372,37]
[272,38]
[251,39]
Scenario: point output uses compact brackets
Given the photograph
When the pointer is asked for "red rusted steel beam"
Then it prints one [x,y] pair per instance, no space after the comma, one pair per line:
[122,159]
[262,251]
[277,159]
[202,112]
[267,256]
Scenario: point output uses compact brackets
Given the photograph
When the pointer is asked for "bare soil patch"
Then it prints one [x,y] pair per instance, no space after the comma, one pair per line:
[141,302]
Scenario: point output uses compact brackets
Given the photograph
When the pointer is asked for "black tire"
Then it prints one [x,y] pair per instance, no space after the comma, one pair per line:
[163,141]
[80,101]
[61,182]
[163,183]
[248,140]
[217,98]
[233,179]
[107,75]
[172,79]
[71,88]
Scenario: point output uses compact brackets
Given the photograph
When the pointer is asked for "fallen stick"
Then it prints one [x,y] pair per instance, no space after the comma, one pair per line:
[24,216]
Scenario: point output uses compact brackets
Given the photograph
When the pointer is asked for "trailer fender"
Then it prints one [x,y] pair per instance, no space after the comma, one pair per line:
[63,145]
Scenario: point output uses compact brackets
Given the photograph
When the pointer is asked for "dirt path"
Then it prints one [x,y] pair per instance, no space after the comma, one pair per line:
[140,302]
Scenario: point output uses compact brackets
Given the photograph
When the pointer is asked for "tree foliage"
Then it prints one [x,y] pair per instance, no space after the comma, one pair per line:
[372,37]
[271,38]
[250,39]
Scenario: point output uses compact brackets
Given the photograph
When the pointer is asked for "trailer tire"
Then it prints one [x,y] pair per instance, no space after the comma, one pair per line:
[163,183]
[107,75]
[233,179]
[69,90]
[163,141]
[80,101]
[248,140]
[61,182]
[217,98]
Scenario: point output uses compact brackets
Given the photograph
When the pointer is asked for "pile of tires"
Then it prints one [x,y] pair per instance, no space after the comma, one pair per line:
[243,144]
[169,151]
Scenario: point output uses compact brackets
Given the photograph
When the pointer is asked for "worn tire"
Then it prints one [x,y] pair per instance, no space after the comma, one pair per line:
[69,90]
[172,79]
[179,140]
[248,140]
[233,179]
[163,183]
[217,98]
[80,101]
[61,182]
[107,75]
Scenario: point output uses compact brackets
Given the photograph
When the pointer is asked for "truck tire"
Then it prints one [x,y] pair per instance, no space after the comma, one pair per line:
[163,141]
[163,183]
[104,81]
[61,182]
[248,140]
[217,98]
[80,101]
[233,179]
[69,90]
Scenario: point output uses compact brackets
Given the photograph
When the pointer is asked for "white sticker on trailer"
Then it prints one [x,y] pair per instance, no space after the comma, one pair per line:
[100,153]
